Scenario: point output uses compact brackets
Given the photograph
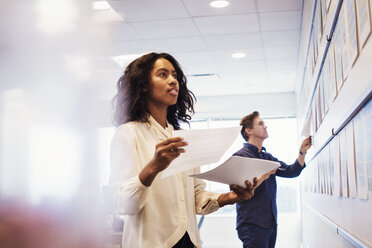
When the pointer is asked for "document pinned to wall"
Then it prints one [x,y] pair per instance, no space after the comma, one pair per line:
[236,170]
[350,157]
[360,152]
[332,166]
[206,146]
[367,110]
[364,21]
[343,164]
[338,56]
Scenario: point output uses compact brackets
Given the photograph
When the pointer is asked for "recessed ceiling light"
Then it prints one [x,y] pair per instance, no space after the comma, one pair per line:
[219,3]
[238,55]
[101,5]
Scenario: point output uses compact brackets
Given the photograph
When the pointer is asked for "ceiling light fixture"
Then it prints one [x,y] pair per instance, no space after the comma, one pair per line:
[219,3]
[238,55]
[101,5]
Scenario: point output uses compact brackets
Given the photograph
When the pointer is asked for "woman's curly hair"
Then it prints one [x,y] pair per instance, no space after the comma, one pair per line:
[130,102]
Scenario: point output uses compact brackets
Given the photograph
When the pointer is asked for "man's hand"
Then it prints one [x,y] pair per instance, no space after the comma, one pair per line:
[306,144]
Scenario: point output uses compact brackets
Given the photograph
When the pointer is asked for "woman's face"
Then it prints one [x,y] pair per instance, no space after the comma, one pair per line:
[163,87]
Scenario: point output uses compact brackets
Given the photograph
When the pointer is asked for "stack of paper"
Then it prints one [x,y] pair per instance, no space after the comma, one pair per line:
[236,170]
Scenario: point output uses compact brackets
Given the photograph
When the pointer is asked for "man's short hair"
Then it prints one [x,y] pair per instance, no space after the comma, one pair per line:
[247,122]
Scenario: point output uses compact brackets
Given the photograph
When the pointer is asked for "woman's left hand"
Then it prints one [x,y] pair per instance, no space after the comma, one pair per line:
[239,194]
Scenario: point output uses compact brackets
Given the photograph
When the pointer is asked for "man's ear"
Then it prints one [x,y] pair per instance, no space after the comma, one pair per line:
[248,130]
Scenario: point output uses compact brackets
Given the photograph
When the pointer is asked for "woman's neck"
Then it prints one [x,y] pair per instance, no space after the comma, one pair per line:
[159,114]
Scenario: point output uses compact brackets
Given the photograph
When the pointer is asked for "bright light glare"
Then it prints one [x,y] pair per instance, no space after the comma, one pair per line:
[101,5]
[56,16]
[80,66]
[54,163]
[124,60]
[238,55]
[219,3]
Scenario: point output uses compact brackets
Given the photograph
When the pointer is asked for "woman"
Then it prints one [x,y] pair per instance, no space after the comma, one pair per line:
[151,101]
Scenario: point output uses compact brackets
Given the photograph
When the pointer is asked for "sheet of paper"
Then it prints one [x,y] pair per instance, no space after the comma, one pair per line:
[360,140]
[236,170]
[364,26]
[350,157]
[206,146]
[306,130]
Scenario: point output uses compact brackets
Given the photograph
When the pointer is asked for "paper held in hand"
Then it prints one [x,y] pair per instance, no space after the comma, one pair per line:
[206,146]
[236,170]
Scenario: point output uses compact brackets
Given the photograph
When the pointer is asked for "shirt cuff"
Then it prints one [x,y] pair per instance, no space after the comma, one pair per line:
[140,185]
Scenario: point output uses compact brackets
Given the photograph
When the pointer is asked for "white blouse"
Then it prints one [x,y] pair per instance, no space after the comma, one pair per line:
[159,215]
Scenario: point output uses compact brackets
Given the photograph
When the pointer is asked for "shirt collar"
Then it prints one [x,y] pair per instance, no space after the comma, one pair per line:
[162,133]
[253,148]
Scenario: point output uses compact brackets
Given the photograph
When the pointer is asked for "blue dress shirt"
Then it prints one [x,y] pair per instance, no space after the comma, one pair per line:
[261,209]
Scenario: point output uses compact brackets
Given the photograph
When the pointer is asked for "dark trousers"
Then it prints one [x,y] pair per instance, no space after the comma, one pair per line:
[184,242]
[254,236]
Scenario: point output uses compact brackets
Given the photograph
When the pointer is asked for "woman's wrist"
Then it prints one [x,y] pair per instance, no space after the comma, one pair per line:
[226,199]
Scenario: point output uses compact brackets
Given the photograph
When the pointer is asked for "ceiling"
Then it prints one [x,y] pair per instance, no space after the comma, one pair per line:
[200,37]
[203,38]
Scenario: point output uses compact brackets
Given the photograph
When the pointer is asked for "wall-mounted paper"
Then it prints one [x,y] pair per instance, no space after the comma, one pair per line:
[206,146]
[364,22]
[236,170]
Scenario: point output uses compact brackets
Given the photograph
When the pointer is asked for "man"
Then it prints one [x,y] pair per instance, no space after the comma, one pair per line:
[257,217]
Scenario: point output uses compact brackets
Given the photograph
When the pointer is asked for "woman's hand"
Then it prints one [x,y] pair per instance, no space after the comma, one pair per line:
[165,153]
[238,194]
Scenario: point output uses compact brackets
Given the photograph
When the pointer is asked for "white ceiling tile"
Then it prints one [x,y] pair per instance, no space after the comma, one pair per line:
[284,20]
[234,41]
[202,8]
[245,79]
[202,39]
[227,24]
[122,32]
[147,10]
[277,5]
[126,47]
[106,64]
[165,29]
[180,44]
[281,38]
[283,52]
[205,85]
[281,65]
[107,16]
[251,54]
[281,82]
[194,58]
[192,69]
[257,67]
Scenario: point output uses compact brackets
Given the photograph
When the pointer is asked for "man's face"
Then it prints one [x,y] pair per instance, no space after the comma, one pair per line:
[258,130]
